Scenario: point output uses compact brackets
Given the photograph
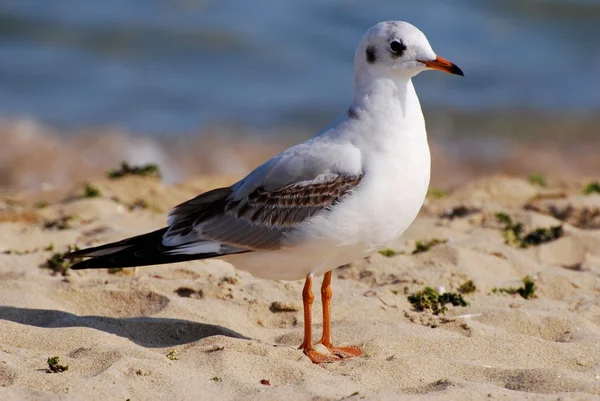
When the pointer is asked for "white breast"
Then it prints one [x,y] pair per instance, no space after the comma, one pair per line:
[385,203]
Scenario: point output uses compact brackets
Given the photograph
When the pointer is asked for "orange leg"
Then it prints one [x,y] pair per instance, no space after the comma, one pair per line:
[307,345]
[342,352]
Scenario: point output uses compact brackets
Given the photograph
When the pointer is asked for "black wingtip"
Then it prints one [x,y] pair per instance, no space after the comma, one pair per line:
[85,264]
[80,253]
[132,257]
[142,250]
[79,265]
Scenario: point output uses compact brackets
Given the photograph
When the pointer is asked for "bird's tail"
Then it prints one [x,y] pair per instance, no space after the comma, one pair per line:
[142,250]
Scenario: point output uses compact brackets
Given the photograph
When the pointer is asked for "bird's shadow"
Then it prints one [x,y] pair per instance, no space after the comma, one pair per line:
[151,332]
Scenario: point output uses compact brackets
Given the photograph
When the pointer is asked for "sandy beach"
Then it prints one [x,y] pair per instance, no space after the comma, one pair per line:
[202,330]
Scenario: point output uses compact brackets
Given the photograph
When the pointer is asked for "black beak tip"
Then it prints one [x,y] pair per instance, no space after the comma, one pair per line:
[456,71]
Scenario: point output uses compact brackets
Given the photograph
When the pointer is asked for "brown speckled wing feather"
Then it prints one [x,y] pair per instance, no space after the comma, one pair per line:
[291,204]
[258,221]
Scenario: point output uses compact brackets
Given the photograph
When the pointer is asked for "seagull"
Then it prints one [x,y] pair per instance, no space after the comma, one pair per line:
[338,197]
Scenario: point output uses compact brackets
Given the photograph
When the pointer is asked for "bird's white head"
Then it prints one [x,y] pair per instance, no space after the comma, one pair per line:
[396,49]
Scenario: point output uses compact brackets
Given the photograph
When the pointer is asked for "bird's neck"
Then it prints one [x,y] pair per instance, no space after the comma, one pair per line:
[393,99]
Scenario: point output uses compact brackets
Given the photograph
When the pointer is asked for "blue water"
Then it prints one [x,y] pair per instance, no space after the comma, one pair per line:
[159,66]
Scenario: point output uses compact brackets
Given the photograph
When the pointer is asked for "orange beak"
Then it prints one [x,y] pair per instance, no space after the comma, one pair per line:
[443,65]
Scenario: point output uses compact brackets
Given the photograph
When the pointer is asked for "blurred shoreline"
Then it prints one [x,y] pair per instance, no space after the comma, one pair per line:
[156,67]
[35,157]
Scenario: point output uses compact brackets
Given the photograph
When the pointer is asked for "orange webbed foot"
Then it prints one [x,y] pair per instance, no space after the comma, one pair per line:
[319,357]
[350,351]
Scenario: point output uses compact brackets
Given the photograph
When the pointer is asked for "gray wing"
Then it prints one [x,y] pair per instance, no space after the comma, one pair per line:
[257,212]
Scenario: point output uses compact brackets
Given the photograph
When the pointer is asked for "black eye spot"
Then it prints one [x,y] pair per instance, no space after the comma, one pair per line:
[397,48]
[370,53]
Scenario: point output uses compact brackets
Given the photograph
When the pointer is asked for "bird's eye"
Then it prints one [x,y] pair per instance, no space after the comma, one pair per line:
[397,47]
